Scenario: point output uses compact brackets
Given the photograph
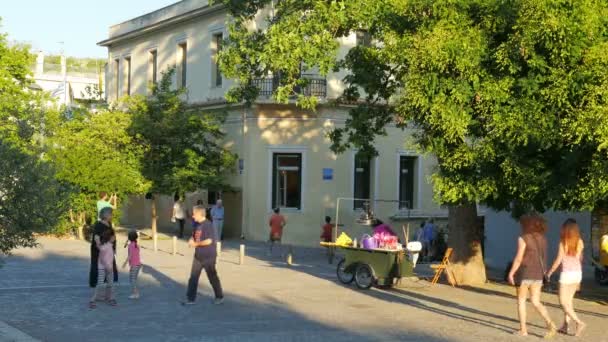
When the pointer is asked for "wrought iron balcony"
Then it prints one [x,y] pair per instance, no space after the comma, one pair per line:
[316,86]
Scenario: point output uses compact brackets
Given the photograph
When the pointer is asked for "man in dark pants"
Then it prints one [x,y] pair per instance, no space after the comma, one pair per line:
[204,241]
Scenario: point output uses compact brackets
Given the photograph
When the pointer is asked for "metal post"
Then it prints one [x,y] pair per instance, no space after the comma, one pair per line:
[155,240]
[219,248]
[175,245]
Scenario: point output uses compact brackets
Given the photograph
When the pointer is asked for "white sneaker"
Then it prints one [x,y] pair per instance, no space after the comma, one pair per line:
[218,301]
[134,296]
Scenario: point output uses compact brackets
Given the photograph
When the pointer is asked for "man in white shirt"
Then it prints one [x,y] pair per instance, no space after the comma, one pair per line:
[179,215]
[217,216]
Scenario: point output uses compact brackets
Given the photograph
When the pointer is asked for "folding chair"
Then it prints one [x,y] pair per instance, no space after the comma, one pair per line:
[444,266]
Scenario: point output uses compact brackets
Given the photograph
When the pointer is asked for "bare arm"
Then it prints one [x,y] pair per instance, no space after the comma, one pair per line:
[558,260]
[203,243]
[519,256]
[581,247]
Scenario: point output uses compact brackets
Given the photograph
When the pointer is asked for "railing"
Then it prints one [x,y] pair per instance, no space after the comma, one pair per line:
[315,86]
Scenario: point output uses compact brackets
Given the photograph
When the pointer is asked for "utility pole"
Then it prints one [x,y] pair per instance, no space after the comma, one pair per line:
[64,73]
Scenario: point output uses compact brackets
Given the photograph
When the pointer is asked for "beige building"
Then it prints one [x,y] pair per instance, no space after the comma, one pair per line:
[285,157]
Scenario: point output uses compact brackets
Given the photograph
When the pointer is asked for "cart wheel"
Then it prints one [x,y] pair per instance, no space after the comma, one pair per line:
[364,276]
[344,277]
[601,276]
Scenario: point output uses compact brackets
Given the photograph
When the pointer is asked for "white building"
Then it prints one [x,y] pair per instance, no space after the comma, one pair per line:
[285,157]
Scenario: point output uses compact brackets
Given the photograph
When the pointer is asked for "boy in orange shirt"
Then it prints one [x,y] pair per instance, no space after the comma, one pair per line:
[326,230]
[277,223]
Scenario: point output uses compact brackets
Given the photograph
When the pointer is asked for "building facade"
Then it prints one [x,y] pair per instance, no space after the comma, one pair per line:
[285,160]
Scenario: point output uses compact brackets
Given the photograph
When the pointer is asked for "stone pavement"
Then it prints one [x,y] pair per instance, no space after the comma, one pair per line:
[44,294]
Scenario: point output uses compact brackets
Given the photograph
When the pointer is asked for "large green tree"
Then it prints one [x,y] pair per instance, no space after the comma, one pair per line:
[509,95]
[182,145]
[95,152]
[31,198]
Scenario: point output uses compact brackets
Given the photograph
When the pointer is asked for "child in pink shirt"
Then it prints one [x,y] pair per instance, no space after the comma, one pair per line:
[134,261]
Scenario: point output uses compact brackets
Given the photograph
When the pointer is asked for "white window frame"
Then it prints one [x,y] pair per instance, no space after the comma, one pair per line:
[302,150]
[182,40]
[418,199]
[215,30]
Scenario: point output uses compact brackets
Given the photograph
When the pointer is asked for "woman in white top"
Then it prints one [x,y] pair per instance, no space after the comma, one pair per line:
[570,258]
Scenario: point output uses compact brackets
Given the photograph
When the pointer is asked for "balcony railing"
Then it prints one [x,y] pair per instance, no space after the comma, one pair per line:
[316,86]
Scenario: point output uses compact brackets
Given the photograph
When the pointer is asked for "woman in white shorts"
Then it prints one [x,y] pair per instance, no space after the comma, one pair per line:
[569,257]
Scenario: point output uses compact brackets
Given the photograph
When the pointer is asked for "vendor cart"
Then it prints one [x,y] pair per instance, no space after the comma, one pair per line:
[367,267]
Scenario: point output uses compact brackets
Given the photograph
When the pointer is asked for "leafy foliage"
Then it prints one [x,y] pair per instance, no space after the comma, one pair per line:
[181,146]
[95,152]
[31,198]
[510,96]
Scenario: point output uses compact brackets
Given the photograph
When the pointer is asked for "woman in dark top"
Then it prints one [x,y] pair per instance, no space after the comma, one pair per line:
[528,270]
[104,223]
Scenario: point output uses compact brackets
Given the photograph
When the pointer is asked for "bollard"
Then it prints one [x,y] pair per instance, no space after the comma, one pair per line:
[290,256]
[174,245]
[242,255]
[155,240]
[219,248]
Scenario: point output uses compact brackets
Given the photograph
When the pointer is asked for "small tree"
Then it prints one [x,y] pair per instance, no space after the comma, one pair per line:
[94,152]
[182,150]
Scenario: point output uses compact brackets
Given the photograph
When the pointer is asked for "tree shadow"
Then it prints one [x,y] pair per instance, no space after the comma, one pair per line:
[57,311]
[491,292]
[312,261]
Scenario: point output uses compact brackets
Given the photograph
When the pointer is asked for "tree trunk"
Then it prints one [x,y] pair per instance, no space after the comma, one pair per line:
[465,238]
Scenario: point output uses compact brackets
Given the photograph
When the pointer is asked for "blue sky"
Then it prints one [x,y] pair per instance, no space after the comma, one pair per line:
[80,24]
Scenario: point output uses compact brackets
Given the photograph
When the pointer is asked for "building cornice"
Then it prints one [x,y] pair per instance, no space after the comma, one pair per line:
[199,12]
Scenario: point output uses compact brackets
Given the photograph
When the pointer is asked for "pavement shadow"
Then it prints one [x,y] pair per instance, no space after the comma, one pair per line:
[313,261]
[491,292]
[51,305]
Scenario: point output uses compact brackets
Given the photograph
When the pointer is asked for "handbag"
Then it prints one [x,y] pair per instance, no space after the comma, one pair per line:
[546,280]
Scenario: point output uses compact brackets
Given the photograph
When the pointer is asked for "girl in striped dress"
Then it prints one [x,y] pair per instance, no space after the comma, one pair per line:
[134,261]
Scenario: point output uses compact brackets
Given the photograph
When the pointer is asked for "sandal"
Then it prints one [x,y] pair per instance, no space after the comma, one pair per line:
[520,333]
[112,302]
[92,304]
[563,330]
[579,329]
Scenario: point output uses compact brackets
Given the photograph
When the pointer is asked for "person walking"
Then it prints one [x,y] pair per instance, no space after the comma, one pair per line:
[134,261]
[277,223]
[179,214]
[428,236]
[99,229]
[217,216]
[569,257]
[528,271]
[204,241]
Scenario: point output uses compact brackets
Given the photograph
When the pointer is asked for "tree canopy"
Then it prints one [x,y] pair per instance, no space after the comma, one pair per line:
[95,152]
[182,148]
[510,96]
[31,198]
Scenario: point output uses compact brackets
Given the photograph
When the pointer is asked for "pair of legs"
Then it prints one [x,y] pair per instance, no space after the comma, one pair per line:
[272,241]
[566,299]
[219,228]
[108,276]
[534,289]
[209,267]
[133,275]
[181,223]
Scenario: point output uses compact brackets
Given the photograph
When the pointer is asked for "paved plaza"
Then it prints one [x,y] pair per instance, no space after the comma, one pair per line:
[44,295]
